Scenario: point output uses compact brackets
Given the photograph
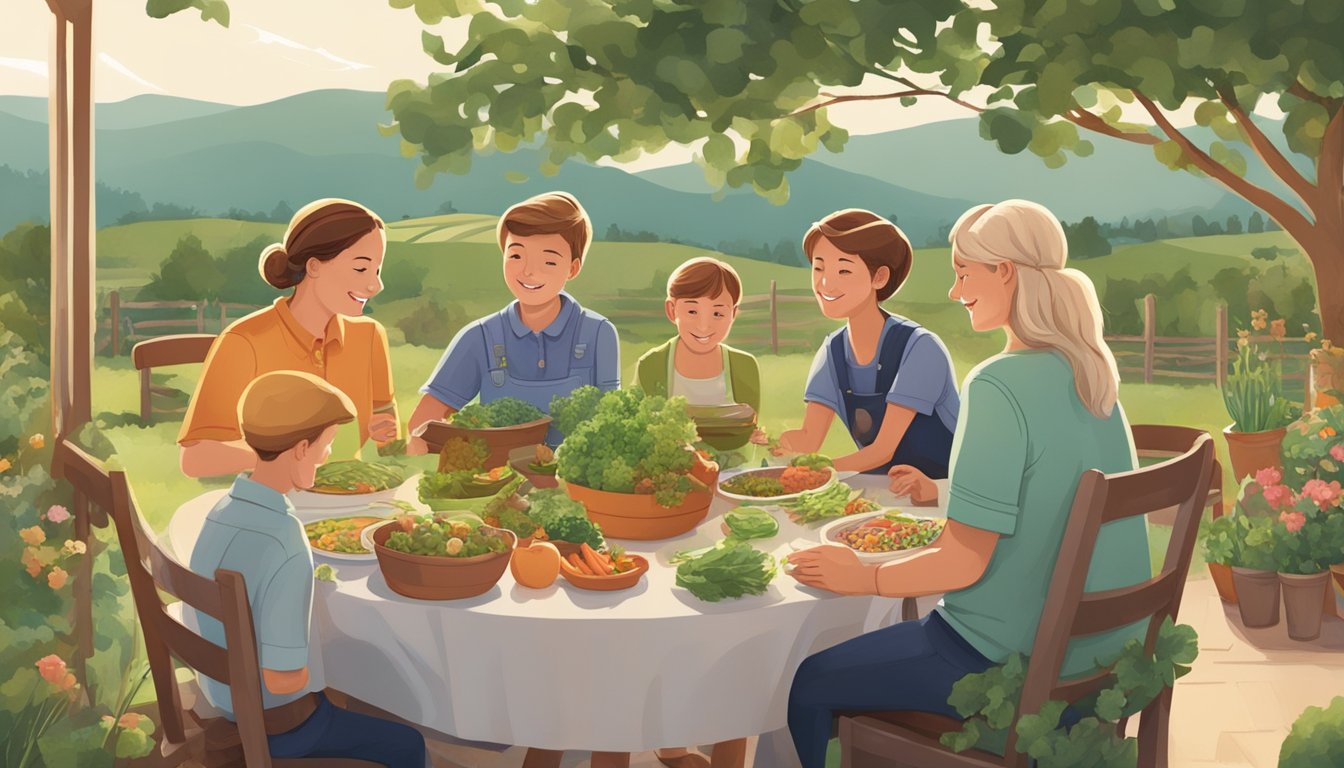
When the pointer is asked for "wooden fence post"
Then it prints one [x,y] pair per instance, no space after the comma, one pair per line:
[223,316]
[114,305]
[1149,336]
[200,317]
[774,319]
[1220,345]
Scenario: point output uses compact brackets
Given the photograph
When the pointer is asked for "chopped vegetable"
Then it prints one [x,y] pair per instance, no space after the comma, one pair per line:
[441,538]
[459,454]
[324,572]
[463,484]
[504,412]
[751,523]
[354,476]
[836,501]
[891,533]
[731,569]
[753,484]
[811,461]
[796,479]
[339,534]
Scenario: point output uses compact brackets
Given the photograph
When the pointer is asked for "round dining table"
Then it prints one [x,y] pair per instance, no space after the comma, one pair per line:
[563,668]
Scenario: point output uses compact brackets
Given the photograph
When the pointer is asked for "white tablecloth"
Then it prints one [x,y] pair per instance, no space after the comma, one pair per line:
[565,668]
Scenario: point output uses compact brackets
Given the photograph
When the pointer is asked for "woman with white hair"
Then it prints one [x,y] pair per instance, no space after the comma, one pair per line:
[1032,420]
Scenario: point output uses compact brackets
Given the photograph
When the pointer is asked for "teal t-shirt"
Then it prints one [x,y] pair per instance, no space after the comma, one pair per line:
[1024,438]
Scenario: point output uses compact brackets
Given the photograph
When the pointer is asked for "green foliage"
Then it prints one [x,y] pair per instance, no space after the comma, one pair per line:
[1085,239]
[1312,446]
[1317,738]
[432,324]
[563,518]
[567,413]
[1221,537]
[504,412]
[211,10]
[25,285]
[989,701]
[732,568]
[632,443]
[242,276]
[1254,392]
[189,273]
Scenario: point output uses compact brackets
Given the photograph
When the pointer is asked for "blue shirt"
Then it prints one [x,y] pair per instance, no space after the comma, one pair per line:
[253,531]
[924,384]
[531,356]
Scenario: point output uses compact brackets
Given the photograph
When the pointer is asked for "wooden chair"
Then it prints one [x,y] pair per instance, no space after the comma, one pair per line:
[1163,441]
[224,597]
[179,349]
[910,739]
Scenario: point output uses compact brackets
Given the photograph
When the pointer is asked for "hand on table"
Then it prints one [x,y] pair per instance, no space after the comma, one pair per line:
[908,481]
[416,446]
[383,427]
[786,443]
[834,568]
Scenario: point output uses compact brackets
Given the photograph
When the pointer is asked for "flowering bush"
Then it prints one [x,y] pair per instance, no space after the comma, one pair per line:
[1254,390]
[1307,533]
[48,715]
[1313,448]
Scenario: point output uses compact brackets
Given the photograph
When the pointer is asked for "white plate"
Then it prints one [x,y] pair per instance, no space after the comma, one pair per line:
[770,471]
[831,531]
[347,556]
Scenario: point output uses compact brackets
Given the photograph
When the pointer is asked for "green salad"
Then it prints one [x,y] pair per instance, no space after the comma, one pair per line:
[563,518]
[504,412]
[751,523]
[355,476]
[731,568]
[436,537]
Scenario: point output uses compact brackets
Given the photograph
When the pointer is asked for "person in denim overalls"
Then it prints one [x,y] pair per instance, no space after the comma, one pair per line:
[542,344]
[889,380]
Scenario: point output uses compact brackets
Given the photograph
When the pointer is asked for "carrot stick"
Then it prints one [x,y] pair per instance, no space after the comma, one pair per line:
[579,565]
[594,562]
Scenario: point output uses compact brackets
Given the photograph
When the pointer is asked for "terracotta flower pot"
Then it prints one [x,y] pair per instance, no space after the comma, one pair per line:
[1222,579]
[1257,596]
[1253,451]
[638,516]
[1302,603]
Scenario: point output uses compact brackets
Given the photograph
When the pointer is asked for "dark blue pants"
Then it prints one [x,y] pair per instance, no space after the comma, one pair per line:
[334,732]
[907,666]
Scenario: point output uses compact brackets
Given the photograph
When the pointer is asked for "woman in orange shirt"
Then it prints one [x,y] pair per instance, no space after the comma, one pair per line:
[332,255]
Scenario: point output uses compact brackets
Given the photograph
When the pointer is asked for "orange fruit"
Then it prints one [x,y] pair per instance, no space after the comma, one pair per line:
[536,566]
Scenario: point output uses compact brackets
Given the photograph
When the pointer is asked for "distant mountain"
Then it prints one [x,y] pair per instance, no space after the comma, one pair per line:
[327,143]
[135,112]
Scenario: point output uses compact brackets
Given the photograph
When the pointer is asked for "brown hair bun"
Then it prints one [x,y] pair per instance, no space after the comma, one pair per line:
[321,230]
[275,268]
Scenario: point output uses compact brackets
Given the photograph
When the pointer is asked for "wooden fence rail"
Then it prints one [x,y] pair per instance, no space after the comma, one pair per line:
[122,325]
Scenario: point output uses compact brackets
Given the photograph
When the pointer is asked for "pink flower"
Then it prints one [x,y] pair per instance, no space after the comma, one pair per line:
[1337,451]
[1269,476]
[58,514]
[1278,496]
[1293,521]
[1325,494]
[52,669]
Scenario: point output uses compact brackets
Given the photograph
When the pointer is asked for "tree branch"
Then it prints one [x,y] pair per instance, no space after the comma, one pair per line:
[1297,225]
[1330,170]
[1268,153]
[1300,91]
[1084,119]
[832,100]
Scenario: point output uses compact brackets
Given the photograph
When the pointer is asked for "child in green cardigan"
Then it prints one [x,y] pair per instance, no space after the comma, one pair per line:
[702,301]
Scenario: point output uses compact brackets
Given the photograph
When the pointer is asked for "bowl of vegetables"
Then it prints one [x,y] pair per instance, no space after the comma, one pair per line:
[564,521]
[439,558]
[629,461]
[603,571]
[883,536]
[503,425]
[353,484]
[776,485]
[466,490]
[538,465]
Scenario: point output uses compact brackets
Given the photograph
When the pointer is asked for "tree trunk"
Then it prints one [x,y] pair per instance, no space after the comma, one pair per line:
[1326,251]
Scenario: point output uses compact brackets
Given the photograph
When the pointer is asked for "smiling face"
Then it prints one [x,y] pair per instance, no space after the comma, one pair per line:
[346,282]
[702,322]
[536,267]
[841,281]
[986,290]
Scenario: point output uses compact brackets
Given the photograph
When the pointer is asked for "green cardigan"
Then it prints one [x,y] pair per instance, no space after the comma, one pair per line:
[744,377]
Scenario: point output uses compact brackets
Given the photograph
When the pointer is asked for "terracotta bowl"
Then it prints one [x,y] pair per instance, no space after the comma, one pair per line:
[537,479]
[498,441]
[440,578]
[638,516]
[609,583]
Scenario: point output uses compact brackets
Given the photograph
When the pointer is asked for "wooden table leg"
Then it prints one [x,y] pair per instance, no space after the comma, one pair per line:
[543,758]
[611,760]
[729,754]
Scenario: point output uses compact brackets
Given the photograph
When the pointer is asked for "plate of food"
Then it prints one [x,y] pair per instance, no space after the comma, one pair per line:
[341,538]
[883,536]
[350,485]
[778,485]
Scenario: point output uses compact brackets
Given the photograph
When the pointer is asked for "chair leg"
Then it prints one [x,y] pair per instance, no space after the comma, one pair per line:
[1153,731]
[909,609]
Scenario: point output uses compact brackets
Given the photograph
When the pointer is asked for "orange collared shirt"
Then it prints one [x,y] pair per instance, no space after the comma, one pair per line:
[353,357]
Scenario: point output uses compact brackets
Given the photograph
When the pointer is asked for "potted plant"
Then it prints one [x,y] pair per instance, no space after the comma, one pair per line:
[1254,399]
[1220,537]
[628,459]
[1300,541]
[1313,449]
[1255,573]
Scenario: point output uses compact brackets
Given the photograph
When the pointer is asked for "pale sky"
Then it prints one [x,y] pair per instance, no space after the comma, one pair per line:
[277,48]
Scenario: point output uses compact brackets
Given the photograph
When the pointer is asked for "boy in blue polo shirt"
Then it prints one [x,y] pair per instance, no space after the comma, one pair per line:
[542,344]
[290,419]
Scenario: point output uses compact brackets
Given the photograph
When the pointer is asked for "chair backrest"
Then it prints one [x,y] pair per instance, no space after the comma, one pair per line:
[179,349]
[150,569]
[1070,612]
[1163,441]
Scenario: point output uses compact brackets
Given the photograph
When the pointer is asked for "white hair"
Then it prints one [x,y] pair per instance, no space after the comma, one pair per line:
[1053,307]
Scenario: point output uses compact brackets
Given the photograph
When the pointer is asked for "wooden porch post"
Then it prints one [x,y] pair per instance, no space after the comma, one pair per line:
[81,214]
[59,148]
